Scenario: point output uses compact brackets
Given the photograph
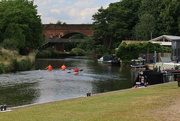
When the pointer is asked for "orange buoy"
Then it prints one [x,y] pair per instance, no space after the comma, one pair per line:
[63,67]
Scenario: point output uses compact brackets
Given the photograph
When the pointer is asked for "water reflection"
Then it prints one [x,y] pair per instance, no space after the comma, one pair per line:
[15,92]
[40,86]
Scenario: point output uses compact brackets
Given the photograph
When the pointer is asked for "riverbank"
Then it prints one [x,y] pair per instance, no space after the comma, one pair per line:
[11,61]
[154,103]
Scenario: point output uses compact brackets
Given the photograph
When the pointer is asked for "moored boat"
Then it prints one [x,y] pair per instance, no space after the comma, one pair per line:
[138,63]
[109,59]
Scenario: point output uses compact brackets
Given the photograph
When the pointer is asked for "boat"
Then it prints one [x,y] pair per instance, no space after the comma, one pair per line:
[151,77]
[109,59]
[100,59]
[138,63]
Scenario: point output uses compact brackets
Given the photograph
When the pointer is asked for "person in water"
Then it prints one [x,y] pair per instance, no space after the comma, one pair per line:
[63,67]
[76,70]
[49,68]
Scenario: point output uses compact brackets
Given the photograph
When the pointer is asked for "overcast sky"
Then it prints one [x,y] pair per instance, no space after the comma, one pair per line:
[69,11]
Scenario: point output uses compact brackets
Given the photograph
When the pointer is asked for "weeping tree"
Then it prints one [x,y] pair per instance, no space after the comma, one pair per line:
[20,24]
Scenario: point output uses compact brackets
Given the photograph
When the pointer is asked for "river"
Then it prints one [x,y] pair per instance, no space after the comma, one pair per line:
[41,86]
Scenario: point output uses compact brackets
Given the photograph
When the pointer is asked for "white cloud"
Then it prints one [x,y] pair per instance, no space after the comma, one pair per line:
[85,3]
[75,15]
[69,11]
[55,10]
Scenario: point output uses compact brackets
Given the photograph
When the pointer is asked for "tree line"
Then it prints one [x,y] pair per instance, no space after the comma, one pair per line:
[21,27]
[135,20]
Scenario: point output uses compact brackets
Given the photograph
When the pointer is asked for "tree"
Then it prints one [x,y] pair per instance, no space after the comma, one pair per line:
[115,23]
[170,17]
[60,22]
[144,31]
[165,13]
[20,22]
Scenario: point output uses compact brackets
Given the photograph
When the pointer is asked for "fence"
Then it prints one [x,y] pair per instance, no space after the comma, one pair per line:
[149,56]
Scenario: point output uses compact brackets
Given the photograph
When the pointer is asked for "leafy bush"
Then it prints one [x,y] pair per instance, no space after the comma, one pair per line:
[77,51]
[50,54]
[23,65]
[43,54]
[4,68]
[9,44]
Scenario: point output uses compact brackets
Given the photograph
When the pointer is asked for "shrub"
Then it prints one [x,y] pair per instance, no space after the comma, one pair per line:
[23,65]
[4,68]
[77,51]
[9,44]
[43,54]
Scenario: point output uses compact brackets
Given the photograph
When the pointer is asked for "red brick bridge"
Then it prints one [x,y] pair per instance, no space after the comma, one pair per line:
[58,34]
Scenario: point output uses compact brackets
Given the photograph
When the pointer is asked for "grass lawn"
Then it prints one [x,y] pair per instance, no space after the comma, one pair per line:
[142,104]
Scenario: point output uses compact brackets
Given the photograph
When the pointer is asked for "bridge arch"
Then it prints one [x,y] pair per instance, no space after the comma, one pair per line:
[57,33]
[71,34]
[58,30]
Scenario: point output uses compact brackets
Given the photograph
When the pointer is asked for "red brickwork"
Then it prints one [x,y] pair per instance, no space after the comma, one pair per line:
[66,30]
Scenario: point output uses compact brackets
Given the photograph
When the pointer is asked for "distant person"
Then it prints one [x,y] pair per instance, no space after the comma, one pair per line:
[76,70]
[49,68]
[144,57]
[63,67]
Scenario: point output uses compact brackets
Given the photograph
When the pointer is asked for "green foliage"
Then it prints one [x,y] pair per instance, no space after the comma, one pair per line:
[1,53]
[135,19]
[69,46]
[143,31]
[19,22]
[4,68]
[50,54]
[131,51]
[163,13]
[23,65]
[115,23]
[10,44]
[77,51]
[60,22]
[89,45]
[43,54]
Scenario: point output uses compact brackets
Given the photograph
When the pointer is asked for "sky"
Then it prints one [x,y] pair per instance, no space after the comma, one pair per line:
[69,11]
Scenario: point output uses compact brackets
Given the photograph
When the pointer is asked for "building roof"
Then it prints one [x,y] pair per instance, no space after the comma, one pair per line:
[166,37]
[165,40]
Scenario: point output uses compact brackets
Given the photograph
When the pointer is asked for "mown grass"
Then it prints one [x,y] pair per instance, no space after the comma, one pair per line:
[127,105]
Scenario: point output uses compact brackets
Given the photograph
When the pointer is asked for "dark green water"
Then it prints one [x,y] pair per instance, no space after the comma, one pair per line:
[40,86]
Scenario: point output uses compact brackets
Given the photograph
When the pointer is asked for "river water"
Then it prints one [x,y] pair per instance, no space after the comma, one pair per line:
[41,86]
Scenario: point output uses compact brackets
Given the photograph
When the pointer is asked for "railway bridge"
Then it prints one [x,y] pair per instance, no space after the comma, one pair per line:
[58,34]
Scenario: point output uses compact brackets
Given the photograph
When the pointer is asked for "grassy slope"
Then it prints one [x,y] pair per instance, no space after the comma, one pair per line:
[136,104]
[7,55]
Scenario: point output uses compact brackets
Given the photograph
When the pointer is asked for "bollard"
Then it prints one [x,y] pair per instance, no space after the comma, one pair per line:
[88,94]
[1,107]
[5,107]
[178,83]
